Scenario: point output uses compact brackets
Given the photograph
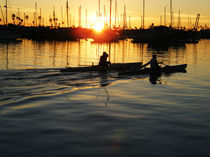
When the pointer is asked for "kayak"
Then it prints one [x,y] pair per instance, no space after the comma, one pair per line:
[113,67]
[166,69]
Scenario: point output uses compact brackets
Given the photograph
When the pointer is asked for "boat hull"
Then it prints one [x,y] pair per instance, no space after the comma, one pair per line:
[113,67]
[8,35]
[167,69]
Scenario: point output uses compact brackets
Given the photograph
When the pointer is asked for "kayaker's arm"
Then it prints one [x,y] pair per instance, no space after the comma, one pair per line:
[161,63]
[145,65]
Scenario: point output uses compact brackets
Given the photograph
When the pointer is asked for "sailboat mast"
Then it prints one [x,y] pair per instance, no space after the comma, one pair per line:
[115,13]
[86,18]
[80,14]
[143,13]
[40,17]
[110,18]
[54,19]
[124,18]
[165,16]
[171,13]
[62,16]
[105,17]
[6,13]
[35,20]
[67,12]
[179,20]
[99,9]
[2,14]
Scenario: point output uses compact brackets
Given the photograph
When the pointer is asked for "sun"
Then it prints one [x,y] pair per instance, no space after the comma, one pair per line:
[98,26]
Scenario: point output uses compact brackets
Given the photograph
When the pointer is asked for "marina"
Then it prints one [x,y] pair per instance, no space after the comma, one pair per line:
[104,78]
[102,30]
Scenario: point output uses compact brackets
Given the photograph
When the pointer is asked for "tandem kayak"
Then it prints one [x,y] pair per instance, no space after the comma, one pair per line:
[166,69]
[113,67]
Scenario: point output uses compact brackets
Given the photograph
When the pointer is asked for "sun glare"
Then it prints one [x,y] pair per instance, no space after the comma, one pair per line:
[98,27]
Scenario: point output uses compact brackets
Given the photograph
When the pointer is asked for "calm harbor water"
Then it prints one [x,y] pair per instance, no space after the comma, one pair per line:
[44,112]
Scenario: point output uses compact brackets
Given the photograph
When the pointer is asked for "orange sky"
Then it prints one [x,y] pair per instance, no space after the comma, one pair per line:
[154,10]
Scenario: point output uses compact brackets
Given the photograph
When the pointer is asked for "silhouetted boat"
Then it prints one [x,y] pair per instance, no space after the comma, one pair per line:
[167,69]
[8,33]
[112,67]
[48,33]
[166,36]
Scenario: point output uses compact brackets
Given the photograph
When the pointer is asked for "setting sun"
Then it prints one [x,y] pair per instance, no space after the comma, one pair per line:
[98,26]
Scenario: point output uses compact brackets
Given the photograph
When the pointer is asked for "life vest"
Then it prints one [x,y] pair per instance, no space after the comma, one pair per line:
[103,60]
[154,64]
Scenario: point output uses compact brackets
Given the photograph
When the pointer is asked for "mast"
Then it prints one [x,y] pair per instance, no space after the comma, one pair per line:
[54,16]
[24,19]
[86,18]
[115,13]
[141,21]
[67,12]
[35,15]
[62,16]
[80,8]
[2,14]
[105,16]
[110,18]
[18,12]
[121,20]
[165,15]
[143,13]
[34,19]
[171,13]
[70,20]
[179,20]
[40,17]
[6,13]
[74,20]
[99,9]
[124,18]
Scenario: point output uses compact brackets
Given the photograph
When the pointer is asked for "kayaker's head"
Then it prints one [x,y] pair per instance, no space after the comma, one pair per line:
[154,56]
[105,54]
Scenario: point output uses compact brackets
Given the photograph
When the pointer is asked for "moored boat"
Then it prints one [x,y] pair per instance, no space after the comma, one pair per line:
[105,36]
[113,67]
[8,35]
[166,69]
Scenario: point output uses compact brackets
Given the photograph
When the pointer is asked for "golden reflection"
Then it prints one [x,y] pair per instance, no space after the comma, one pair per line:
[67,54]
[23,106]
[7,58]
[58,54]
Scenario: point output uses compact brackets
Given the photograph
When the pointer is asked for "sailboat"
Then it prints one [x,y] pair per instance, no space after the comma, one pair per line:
[7,33]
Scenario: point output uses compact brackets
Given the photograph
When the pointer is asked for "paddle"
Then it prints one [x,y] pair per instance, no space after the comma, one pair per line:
[143,66]
[162,63]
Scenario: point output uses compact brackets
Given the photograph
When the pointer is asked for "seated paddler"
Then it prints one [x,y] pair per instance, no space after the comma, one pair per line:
[153,64]
[103,60]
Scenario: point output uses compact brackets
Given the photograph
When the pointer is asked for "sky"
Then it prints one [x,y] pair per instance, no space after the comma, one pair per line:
[153,13]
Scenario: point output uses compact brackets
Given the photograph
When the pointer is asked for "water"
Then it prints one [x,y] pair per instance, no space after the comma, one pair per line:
[47,113]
